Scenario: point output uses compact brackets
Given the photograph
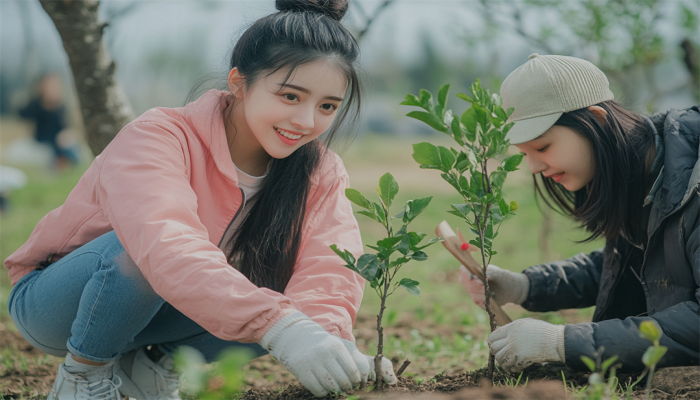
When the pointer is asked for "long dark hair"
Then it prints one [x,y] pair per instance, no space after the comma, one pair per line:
[623,148]
[266,245]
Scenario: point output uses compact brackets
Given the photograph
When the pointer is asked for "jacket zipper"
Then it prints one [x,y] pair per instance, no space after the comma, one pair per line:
[233,219]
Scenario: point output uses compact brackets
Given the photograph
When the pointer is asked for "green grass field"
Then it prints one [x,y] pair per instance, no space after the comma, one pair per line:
[441,329]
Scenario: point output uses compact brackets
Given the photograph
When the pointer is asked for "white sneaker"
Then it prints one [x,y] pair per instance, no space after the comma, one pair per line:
[144,379]
[99,384]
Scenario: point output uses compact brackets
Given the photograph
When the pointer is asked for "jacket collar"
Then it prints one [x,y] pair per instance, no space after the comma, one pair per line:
[206,118]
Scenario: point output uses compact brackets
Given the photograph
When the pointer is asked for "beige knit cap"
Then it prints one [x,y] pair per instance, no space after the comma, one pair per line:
[545,87]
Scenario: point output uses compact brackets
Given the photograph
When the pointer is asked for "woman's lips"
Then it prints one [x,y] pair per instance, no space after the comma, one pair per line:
[557,177]
[287,140]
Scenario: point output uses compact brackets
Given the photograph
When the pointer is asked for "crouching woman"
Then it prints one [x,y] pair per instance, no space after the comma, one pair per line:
[632,179]
[209,226]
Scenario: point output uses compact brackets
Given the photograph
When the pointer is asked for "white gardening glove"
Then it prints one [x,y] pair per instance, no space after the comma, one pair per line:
[322,362]
[525,342]
[505,286]
[387,370]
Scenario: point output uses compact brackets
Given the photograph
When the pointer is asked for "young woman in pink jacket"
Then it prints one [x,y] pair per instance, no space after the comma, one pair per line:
[209,226]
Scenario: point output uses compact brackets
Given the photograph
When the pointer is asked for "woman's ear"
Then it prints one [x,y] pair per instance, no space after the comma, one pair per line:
[235,82]
[599,113]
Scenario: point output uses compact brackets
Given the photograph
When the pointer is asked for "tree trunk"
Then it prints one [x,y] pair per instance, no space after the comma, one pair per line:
[103,104]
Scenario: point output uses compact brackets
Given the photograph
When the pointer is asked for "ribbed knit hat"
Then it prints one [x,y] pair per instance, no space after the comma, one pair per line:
[545,87]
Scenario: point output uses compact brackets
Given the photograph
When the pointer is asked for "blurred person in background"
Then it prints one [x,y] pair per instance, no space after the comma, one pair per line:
[48,112]
[627,177]
[210,226]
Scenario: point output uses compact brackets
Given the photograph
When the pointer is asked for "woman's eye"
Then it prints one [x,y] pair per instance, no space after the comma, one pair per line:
[543,149]
[291,97]
[329,107]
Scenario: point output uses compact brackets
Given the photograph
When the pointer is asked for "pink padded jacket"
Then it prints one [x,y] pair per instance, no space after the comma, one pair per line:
[166,185]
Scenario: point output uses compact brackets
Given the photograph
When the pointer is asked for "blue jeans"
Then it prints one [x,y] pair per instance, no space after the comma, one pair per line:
[95,303]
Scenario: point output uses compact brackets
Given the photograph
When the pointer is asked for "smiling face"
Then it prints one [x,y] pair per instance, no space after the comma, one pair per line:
[563,155]
[274,118]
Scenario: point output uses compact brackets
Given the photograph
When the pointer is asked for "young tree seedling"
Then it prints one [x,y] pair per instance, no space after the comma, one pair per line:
[651,331]
[480,132]
[379,269]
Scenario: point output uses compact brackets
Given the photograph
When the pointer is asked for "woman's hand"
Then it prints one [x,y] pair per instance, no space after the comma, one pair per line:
[525,342]
[322,362]
[505,286]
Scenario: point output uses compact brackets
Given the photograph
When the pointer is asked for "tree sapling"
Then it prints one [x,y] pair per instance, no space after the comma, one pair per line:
[378,269]
[480,132]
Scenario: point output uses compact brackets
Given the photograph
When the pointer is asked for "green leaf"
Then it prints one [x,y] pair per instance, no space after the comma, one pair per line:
[399,215]
[431,119]
[368,265]
[411,286]
[416,237]
[358,198]
[404,245]
[461,210]
[457,131]
[388,188]
[503,207]
[427,155]
[607,363]
[442,94]
[414,207]
[653,355]
[419,256]
[451,180]
[469,121]
[650,330]
[344,254]
[371,215]
[389,242]
[511,163]
[447,159]
[379,212]
[465,97]
[426,99]
[589,363]
[411,100]
[514,206]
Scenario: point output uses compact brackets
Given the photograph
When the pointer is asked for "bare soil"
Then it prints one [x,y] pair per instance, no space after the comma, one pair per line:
[27,373]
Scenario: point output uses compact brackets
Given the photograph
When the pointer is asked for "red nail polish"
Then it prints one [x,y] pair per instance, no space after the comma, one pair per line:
[465,246]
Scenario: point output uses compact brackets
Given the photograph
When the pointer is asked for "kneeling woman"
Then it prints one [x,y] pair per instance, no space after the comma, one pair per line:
[631,179]
[210,226]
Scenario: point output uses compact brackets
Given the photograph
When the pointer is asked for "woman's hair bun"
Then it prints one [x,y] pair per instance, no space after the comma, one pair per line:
[335,9]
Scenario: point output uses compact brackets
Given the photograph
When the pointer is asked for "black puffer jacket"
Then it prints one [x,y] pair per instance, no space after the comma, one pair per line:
[629,284]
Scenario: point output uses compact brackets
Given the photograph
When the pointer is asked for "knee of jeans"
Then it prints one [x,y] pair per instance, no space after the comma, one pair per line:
[128,269]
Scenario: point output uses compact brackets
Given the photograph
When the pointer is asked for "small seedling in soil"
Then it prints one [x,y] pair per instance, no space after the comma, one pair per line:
[480,132]
[597,387]
[379,269]
[651,331]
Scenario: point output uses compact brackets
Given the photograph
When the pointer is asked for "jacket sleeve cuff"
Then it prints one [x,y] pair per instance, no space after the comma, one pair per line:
[274,325]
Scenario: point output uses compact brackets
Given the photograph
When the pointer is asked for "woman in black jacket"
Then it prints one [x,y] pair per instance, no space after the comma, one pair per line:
[632,179]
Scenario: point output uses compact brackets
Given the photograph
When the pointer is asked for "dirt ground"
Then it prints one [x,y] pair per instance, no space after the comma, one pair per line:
[27,373]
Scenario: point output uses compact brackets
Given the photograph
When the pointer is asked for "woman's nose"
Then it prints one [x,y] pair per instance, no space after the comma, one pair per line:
[303,118]
[536,165]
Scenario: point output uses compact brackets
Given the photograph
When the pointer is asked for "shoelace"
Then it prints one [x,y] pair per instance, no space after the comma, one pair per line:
[168,380]
[96,390]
